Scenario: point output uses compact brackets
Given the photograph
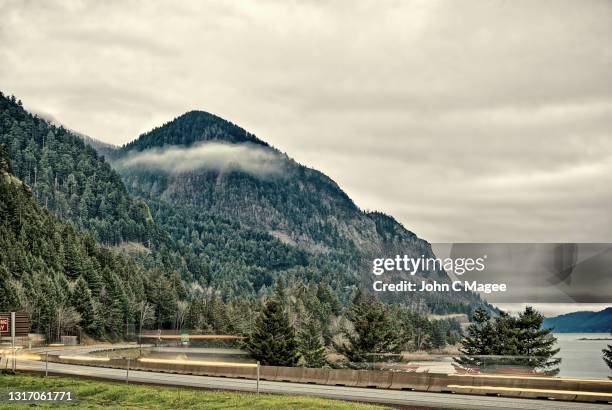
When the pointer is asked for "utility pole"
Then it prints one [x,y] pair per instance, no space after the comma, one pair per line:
[258,377]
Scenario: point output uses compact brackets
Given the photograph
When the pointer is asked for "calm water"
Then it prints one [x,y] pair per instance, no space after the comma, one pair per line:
[582,358]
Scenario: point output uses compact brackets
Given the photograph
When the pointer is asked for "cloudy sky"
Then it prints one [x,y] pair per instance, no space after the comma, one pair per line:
[467,121]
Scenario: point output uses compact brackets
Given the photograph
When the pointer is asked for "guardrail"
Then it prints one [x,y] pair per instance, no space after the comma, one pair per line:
[507,386]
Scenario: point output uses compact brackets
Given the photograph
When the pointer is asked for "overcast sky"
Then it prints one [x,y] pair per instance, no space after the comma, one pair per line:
[467,121]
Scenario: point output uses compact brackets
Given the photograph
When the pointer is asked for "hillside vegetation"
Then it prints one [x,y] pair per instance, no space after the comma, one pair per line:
[70,179]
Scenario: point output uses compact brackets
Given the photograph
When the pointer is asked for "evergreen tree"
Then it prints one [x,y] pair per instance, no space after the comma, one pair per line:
[280,292]
[311,344]
[8,296]
[273,341]
[536,343]
[373,334]
[93,278]
[607,356]
[72,254]
[84,305]
[5,161]
[437,337]
[509,341]
[478,342]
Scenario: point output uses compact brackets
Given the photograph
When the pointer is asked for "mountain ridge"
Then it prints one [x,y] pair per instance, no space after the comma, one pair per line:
[170,134]
[581,321]
[189,128]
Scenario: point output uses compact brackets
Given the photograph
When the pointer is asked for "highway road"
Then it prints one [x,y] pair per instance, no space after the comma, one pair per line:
[391,397]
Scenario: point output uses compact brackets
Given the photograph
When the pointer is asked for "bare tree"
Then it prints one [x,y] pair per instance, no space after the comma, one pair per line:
[145,312]
[181,313]
[67,318]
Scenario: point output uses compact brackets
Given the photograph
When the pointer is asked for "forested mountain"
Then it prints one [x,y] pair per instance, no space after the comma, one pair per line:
[69,178]
[200,266]
[225,210]
[70,284]
[200,164]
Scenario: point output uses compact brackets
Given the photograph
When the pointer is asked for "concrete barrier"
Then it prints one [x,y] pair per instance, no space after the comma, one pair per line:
[438,383]
[602,386]
[594,397]
[118,363]
[539,394]
[214,371]
[268,372]
[315,376]
[343,377]
[289,374]
[514,392]
[410,381]
[500,385]
[546,383]
[380,379]
[239,372]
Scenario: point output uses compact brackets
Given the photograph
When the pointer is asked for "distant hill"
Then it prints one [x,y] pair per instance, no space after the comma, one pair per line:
[577,322]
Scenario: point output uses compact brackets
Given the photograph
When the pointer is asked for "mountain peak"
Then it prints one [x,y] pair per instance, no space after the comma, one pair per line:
[191,128]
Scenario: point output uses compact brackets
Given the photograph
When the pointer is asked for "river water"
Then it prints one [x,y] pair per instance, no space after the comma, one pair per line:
[583,358]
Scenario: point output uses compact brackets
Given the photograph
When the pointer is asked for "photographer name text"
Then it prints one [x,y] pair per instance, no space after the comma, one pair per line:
[434,286]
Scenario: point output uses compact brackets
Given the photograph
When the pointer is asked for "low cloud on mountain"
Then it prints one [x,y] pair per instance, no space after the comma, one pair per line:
[215,156]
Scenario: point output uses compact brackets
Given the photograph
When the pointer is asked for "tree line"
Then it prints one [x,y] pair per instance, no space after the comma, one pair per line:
[290,331]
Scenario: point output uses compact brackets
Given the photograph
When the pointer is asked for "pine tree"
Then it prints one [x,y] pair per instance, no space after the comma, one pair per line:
[536,343]
[506,340]
[84,305]
[280,292]
[437,337]
[273,341]
[607,356]
[8,296]
[5,161]
[73,265]
[311,344]
[509,341]
[112,299]
[93,278]
[478,342]
[373,335]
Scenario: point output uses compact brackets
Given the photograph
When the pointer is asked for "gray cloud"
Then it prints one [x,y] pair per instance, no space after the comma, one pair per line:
[215,156]
[468,121]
